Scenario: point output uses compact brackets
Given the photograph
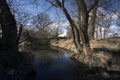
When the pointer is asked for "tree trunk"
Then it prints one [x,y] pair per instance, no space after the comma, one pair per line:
[20,33]
[9,29]
[84,29]
[75,31]
[100,29]
[85,42]
[97,32]
[80,33]
[104,33]
[91,30]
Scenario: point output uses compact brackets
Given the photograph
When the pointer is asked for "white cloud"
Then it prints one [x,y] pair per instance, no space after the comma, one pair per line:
[113,27]
[62,27]
[66,24]
[54,25]
[114,17]
[62,35]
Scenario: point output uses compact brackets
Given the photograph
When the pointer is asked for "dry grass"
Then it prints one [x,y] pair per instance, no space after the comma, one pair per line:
[112,44]
[65,44]
[100,59]
[105,58]
[102,50]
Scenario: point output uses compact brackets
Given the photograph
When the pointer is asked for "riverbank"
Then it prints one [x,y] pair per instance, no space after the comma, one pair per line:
[66,44]
[16,67]
[105,56]
[69,45]
[105,65]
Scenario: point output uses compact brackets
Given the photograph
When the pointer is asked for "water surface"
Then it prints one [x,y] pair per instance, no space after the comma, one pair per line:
[52,64]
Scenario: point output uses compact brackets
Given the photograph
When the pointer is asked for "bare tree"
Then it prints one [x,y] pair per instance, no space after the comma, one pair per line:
[106,24]
[118,19]
[41,22]
[22,17]
[80,34]
[92,22]
[106,6]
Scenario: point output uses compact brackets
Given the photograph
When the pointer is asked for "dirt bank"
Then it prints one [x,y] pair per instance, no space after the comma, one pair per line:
[105,60]
[103,50]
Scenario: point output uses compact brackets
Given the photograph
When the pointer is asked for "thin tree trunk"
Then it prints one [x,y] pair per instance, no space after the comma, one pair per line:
[92,21]
[75,31]
[97,32]
[20,33]
[100,29]
[91,30]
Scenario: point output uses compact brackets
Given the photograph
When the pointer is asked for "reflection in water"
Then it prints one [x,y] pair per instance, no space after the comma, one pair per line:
[53,65]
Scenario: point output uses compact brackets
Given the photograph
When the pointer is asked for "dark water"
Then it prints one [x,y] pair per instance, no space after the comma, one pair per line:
[53,64]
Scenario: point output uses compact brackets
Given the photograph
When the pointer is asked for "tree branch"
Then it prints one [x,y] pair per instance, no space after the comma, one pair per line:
[52,3]
[63,2]
[58,3]
[23,40]
[11,2]
[95,3]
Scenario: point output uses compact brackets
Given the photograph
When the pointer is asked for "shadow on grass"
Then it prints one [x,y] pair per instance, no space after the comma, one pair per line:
[113,73]
[83,72]
[16,67]
[112,52]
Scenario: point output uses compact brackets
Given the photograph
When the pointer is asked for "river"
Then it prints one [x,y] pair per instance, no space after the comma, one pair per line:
[53,64]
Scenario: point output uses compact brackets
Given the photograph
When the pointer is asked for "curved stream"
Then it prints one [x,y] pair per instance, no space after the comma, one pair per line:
[53,64]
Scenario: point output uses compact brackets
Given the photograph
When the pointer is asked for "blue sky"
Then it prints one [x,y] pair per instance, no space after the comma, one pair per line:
[42,6]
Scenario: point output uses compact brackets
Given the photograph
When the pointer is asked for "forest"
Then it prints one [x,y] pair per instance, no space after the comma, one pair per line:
[59,40]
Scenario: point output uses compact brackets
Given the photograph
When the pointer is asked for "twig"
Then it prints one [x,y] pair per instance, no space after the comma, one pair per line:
[51,3]
[93,6]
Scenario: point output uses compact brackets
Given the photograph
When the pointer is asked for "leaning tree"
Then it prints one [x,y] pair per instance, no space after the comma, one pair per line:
[9,28]
[79,30]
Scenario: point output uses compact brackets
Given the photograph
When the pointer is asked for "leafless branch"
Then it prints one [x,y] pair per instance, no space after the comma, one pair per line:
[23,40]
[63,2]
[95,3]
[10,2]
[51,3]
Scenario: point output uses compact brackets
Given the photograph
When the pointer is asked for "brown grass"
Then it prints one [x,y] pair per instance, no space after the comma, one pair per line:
[65,44]
[112,44]
[101,50]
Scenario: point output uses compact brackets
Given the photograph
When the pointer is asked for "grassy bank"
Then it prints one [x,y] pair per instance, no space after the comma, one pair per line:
[103,50]
[104,63]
